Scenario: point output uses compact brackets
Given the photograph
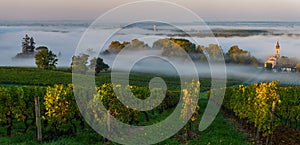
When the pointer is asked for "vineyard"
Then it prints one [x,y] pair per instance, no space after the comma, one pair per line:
[61,122]
[60,115]
[261,108]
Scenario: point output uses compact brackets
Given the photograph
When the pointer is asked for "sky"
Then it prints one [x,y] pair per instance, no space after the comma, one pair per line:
[209,10]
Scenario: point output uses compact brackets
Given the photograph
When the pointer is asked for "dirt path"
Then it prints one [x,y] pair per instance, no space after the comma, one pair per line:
[283,135]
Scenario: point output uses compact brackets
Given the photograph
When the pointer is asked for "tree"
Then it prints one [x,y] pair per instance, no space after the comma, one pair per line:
[240,56]
[187,45]
[31,47]
[136,44]
[45,59]
[213,51]
[93,63]
[115,47]
[298,67]
[169,48]
[174,47]
[98,65]
[79,63]
[285,61]
[28,45]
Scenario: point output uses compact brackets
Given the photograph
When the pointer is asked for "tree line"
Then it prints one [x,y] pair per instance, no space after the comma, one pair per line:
[169,47]
[182,48]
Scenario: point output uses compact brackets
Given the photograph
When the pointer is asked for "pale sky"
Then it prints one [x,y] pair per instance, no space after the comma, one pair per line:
[209,10]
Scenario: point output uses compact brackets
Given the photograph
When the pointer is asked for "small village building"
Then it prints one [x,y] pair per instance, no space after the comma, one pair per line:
[272,62]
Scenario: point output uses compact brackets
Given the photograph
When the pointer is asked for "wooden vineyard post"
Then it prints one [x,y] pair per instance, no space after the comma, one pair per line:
[257,135]
[108,124]
[272,119]
[108,131]
[38,118]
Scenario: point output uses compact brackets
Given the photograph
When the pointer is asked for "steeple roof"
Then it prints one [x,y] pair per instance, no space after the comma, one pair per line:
[277,45]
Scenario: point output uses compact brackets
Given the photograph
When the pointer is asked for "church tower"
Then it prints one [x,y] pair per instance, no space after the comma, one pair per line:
[277,50]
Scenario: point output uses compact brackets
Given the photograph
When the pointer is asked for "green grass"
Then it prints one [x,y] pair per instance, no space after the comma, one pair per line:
[33,76]
[18,76]
[219,132]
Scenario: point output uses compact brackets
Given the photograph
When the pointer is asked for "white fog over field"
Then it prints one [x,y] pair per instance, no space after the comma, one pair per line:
[63,38]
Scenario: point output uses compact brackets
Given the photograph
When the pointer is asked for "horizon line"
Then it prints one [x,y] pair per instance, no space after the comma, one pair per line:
[91,20]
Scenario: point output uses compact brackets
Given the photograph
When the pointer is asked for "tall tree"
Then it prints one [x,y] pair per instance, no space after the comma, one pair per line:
[28,44]
[239,56]
[79,63]
[98,64]
[45,59]
[187,45]
[214,52]
[31,47]
[298,67]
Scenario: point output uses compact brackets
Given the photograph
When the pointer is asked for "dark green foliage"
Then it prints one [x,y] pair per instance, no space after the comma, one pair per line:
[183,48]
[185,44]
[6,104]
[79,63]
[174,47]
[28,45]
[137,44]
[17,104]
[33,76]
[288,109]
[214,52]
[45,59]
[116,46]
[169,48]
[86,135]
[235,55]
[220,132]
[41,48]
[200,53]
[98,65]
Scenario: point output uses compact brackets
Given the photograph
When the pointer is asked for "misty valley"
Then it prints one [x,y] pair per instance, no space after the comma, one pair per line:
[63,84]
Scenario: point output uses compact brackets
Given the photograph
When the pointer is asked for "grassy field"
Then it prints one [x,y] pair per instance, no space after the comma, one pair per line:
[19,76]
[220,132]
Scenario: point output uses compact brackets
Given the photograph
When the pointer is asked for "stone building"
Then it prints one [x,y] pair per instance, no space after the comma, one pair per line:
[272,60]
[280,63]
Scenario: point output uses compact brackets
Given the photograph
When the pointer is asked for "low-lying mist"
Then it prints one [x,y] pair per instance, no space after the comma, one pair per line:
[151,62]
[64,40]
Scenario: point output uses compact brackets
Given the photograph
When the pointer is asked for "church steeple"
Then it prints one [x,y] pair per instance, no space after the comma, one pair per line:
[277,50]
